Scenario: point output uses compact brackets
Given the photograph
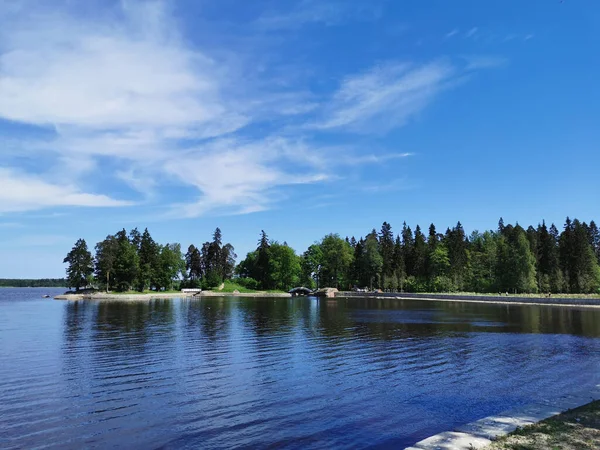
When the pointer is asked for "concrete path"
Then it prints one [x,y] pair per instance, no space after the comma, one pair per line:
[477,435]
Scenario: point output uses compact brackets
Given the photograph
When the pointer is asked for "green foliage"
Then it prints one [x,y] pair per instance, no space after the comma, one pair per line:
[336,262]
[248,283]
[284,267]
[510,259]
[310,265]
[81,265]
[271,266]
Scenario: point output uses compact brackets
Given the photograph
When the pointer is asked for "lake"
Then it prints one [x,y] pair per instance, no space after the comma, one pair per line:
[281,373]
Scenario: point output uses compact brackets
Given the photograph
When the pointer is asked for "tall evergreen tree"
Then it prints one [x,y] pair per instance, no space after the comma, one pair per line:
[126,262]
[148,255]
[81,265]
[595,239]
[579,263]
[399,265]
[457,251]
[386,245]
[419,257]
[549,274]
[261,273]
[408,244]
[373,261]
[193,264]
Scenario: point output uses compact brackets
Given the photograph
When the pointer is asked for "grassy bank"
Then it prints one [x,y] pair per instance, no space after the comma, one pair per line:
[578,428]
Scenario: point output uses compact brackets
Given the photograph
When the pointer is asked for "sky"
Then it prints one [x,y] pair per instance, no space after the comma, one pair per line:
[299,117]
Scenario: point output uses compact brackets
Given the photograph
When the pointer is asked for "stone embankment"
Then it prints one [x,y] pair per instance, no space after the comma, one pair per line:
[479,434]
[508,299]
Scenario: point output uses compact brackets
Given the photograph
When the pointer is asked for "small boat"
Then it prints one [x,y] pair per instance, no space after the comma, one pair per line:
[45,296]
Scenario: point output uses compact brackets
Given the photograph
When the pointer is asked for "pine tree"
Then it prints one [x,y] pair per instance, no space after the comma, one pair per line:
[106,257]
[81,265]
[193,264]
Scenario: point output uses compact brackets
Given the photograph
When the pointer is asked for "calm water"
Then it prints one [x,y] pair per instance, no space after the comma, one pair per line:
[284,373]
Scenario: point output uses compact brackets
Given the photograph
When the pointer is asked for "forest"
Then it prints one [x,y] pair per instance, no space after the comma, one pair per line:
[508,259]
[42,282]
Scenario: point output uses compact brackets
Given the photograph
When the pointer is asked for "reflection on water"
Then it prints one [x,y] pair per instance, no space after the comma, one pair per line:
[295,373]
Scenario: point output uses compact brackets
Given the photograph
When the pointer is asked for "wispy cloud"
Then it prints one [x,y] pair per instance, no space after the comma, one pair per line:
[385,97]
[454,32]
[23,192]
[476,62]
[314,11]
[472,32]
[125,97]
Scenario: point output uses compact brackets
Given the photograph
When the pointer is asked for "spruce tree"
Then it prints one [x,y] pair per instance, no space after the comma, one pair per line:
[262,261]
[457,251]
[419,257]
[373,261]
[407,249]
[148,255]
[595,239]
[399,265]
[386,245]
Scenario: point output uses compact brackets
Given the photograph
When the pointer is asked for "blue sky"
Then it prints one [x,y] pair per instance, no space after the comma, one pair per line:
[297,117]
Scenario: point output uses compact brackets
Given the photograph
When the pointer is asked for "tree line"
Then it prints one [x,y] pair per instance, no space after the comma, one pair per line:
[135,261]
[42,282]
[508,259]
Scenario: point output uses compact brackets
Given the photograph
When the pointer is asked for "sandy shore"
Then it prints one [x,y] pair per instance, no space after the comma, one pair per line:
[158,295]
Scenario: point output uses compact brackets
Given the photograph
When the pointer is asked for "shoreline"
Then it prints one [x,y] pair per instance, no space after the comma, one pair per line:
[165,296]
[483,432]
[490,299]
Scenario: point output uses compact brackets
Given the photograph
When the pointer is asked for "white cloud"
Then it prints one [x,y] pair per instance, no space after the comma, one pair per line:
[471,32]
[22,192]
[452,33]
[476,62]
[129,99]
[385,97]
[237,176]
[97,76]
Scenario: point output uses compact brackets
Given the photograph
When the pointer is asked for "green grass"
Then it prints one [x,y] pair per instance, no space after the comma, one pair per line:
[231,286]
[577,428]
